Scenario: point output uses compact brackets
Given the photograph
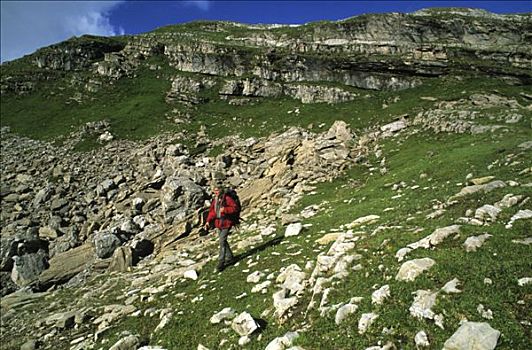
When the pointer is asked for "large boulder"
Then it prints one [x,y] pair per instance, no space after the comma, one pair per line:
[180,196]
[106,243]
[28,267]
[473,336]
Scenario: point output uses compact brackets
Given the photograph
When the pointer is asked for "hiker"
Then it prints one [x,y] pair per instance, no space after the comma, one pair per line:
[220,214]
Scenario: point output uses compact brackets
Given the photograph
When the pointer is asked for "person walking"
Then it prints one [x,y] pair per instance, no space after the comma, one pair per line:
[220,211]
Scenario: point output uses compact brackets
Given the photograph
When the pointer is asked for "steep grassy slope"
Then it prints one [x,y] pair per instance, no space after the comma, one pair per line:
[426,168]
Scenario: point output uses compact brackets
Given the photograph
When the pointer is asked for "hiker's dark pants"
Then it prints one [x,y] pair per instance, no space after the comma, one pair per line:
[225,251]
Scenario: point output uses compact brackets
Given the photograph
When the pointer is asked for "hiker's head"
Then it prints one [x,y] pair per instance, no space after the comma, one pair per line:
[218,189]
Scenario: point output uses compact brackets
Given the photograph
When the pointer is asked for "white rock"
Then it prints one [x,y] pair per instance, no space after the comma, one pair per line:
[292,278]
[413,268]
[378,296]
[344,311]
[366,321]
[244,324]
[260,287]
[129,342]
[244,340]
[524,281]
[394,127]
[281,343]
[401,253]
[106,137]
[525,241]
[436,237]
[509,201]
[521,214]
[191,274]
[293,229]
[282,303]
[365,220]
[452,286]
[255,277]
[421,339]
[226,314]
[485,313]
[481,334]
[488,281]
[472,243]
[268,231]
[487,211]
[200,347]
[423,303]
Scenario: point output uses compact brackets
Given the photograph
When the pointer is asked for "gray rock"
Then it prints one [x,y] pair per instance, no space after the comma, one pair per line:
[472,243]
[122,260]
[344,311]
[244,324]
[28,267]
[293,229]
[473,336]
[105,244]
[413,268]
[226,314]
[131,342]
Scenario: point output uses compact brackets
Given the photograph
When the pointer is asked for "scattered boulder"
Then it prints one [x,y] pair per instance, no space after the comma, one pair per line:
[473,335]
[244,324]
[413,268]
[226,314]
[472,243]
[131,342]
[366,320]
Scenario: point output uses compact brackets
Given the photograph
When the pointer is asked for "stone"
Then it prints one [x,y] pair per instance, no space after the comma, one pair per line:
[394,127]
[473,336]
[366,320]
[436,237]
[282,303]
[378,296]
[28,267]
[282,343]
[452,286]
[479,188]
[122,260]
[227,313]
[255,277]
[328,238]
[481,180]
[365,220]
[421,339]
[105,244]
[472,243]
[413,268]
[424,300]
[292,278]
[509,201]
[524,281]
[131,342]
[244,324]
[520,215]
[344,311]
[31,344]
[261,287]
[191,274]
[293,229]
[487,212]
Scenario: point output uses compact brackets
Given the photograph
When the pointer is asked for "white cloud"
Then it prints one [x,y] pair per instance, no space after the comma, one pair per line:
[29,25]
[203,5]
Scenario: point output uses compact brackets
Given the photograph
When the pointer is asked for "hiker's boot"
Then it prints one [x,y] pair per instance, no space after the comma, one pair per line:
[220,267]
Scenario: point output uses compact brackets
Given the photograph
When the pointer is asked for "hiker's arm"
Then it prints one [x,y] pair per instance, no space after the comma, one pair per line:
[212,214]
[230,206]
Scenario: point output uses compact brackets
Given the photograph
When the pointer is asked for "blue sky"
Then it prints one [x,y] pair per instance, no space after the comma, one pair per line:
[29,25]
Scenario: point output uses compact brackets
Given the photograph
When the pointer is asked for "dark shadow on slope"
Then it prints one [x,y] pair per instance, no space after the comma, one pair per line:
[255,250]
